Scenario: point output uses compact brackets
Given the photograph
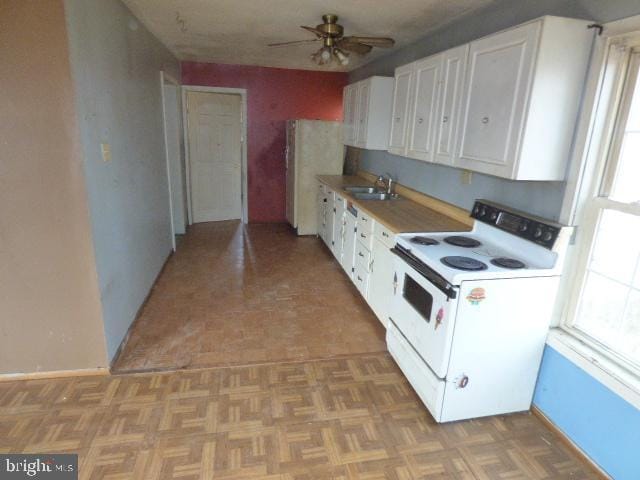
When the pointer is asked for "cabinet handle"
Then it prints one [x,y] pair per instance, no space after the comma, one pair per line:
[360,254]
[397,119]
[420,120]
[385,234]
[463,382]
[485,120]
[359,278]
[371,265]
[395,282]
[445,119]
[363,235]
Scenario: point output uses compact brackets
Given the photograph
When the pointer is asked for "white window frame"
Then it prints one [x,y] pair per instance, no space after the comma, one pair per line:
[583,203]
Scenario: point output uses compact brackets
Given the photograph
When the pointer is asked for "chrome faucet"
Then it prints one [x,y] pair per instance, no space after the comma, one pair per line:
[385,182]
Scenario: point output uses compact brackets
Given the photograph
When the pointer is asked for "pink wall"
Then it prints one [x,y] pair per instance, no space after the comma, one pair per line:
[274,95]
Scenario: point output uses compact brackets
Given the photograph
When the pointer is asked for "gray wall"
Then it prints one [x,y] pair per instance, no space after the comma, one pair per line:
[541,198]
[116,64]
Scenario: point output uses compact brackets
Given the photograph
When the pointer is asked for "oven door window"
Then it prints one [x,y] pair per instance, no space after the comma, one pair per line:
[420,299]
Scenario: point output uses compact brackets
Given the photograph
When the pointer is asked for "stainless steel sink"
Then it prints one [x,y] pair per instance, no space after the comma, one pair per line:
[361,189]
[376,196]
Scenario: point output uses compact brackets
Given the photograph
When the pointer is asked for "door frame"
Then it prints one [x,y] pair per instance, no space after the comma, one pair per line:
[243,142]
[167,78]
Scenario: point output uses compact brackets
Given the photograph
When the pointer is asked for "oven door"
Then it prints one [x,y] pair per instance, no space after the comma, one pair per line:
[424,312]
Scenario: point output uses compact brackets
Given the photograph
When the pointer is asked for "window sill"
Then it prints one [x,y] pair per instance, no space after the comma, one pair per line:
[597,363]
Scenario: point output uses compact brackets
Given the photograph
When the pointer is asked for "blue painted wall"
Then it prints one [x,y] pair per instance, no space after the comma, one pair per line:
[596,419]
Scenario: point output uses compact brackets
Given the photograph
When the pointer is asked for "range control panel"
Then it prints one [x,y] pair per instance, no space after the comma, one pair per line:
[537,230]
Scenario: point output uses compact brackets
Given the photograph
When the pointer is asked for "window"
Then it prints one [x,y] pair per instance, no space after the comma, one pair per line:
[606,301]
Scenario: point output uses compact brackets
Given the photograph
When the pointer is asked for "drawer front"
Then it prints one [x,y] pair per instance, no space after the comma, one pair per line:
[385,235]
[365,224]
[365,238]
[429,388]
[363,255]
[361,278]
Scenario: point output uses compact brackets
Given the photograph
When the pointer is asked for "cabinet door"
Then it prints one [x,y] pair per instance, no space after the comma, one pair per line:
[496,94]
[381,281]
[338,227]
[364,90]
[349,244]
[349,109]
[401,92]
[454,63]
[424,107]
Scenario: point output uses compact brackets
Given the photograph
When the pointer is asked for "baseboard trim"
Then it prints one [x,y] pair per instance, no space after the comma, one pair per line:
[86,372]
[124,341]
[570,443]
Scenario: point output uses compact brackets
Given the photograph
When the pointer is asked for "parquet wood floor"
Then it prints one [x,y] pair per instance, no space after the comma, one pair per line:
[349,418]
[234,295]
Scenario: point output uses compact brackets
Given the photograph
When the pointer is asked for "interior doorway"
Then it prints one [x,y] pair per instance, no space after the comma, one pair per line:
[216,173]
[174,151]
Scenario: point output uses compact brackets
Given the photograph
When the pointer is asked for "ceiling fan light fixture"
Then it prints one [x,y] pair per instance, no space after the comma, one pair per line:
[325,54]
[342,57]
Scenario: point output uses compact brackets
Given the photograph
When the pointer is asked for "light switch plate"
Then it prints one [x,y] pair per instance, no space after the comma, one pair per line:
[105,150]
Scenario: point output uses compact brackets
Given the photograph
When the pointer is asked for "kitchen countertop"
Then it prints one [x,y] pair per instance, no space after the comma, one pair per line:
[401,215]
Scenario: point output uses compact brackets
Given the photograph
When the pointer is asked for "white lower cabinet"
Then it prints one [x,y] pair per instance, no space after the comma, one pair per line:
[361,246]
[349,243]
[381,276]
[338,226]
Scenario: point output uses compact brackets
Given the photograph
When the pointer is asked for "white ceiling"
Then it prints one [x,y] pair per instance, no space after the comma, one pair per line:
[237,31]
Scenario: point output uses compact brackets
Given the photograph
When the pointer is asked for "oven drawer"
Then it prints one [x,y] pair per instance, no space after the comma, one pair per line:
[429,388]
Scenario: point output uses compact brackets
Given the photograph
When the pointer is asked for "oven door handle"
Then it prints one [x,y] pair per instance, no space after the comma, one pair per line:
[434,277]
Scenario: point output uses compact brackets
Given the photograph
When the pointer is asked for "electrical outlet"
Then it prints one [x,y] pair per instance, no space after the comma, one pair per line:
[105,149]
[465,177]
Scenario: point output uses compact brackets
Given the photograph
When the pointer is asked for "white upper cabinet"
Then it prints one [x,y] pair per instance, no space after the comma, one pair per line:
[521,99]
[401,96]
[452,73]
[424,101]
[504,105]
[367,110]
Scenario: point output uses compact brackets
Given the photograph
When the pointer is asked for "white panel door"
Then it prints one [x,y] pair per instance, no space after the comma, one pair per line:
[424,108]
[448,119]
[364,90]
[401,91]
[215,154]
[500,69]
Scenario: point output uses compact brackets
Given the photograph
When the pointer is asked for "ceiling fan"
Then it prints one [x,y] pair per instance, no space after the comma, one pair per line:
[335,45]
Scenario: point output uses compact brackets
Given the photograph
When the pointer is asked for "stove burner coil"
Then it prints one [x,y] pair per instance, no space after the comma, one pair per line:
[510,263]
[460,241]
[464,263]
[424,241]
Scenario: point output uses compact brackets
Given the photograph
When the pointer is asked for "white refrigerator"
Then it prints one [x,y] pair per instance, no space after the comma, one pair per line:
[314,147]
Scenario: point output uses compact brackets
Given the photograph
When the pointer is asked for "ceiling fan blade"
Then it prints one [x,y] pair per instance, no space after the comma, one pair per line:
[313,30]
[381,42]
[294,42]
[359,48]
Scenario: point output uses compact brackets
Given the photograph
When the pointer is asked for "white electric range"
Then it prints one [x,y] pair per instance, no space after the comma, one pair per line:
[471,311]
